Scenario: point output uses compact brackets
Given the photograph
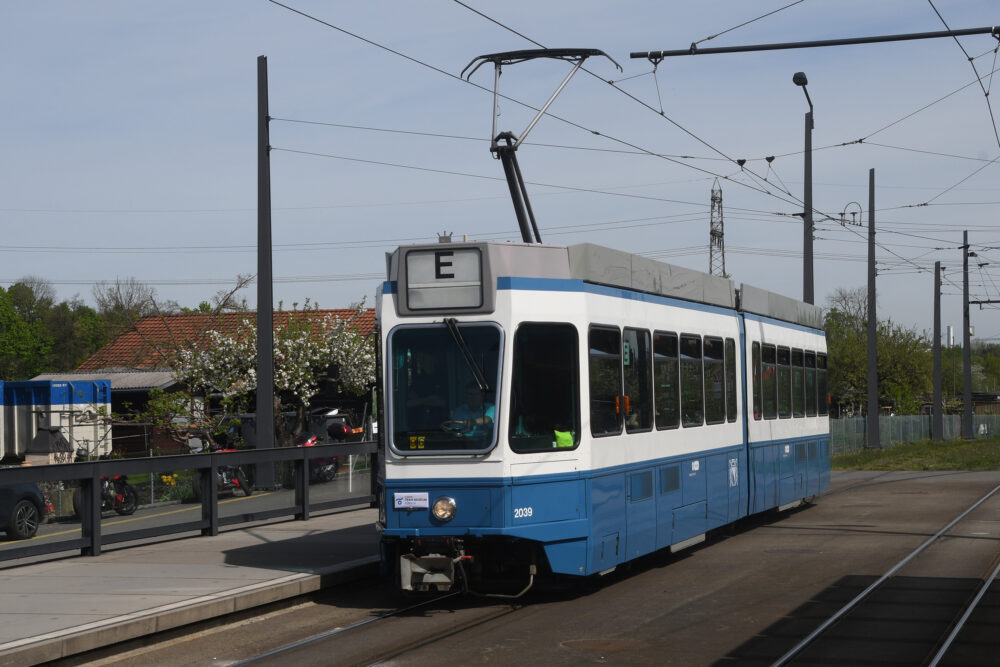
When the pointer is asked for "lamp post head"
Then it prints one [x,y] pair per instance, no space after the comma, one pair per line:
[799,79]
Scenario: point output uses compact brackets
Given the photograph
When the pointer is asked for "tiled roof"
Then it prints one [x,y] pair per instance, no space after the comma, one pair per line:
[152,341]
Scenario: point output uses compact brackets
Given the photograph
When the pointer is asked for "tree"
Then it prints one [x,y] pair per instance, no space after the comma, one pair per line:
[77,332]
[23,343]
[123,303]
[904,358]
[306,345]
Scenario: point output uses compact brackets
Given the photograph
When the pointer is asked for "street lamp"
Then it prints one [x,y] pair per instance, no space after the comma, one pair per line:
[799,79]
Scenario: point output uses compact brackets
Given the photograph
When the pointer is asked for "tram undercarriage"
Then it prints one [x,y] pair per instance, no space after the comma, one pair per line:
[487,566]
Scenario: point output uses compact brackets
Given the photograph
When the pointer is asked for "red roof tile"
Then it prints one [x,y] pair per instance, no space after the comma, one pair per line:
[153,341]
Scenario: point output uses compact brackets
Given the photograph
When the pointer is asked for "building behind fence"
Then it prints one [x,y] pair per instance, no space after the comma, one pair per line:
[849,435]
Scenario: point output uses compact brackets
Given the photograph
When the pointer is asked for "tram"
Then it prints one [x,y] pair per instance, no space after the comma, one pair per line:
[562,410]
[557,410]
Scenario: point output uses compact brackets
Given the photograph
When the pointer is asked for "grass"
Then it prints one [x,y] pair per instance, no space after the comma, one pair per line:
[980,454]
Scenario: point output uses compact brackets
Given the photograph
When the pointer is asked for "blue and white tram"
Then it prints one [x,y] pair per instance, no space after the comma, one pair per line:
[563,410]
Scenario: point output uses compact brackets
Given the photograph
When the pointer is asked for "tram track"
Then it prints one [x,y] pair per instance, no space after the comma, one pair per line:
[811,648]
[391,634]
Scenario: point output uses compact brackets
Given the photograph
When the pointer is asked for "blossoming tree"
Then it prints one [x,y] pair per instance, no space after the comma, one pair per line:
[307,343]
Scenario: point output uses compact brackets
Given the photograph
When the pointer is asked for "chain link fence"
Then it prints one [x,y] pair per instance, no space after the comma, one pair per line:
[851,435]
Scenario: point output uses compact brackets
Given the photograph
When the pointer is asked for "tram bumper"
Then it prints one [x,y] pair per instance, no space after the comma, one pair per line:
[424,573]
[429,564]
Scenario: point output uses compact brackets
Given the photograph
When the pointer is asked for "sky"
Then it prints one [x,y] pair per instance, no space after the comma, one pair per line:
[129,140]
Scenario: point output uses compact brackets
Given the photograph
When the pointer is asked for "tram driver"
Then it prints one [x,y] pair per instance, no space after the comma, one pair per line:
[476,413]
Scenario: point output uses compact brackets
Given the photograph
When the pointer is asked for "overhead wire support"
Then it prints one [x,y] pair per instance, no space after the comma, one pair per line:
[693,50]
[507,152]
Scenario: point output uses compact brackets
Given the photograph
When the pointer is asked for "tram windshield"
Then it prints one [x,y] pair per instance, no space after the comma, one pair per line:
[443,387]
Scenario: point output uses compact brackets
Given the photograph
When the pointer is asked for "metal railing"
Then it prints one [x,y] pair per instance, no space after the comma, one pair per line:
[90,473]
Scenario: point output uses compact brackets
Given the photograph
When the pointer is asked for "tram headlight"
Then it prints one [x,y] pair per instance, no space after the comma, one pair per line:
[444,508]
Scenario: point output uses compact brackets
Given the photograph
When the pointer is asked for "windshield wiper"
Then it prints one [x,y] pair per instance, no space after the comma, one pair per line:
[477,372]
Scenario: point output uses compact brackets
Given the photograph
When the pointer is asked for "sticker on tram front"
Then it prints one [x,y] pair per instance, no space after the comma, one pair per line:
[408,501]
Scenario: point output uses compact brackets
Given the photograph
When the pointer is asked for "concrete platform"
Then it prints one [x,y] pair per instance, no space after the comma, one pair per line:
[54,609]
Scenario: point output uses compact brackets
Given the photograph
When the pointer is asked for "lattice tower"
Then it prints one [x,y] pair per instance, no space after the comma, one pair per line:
[716,235]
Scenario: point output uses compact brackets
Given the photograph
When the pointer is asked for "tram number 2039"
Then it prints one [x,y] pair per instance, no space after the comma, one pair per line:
[523,512]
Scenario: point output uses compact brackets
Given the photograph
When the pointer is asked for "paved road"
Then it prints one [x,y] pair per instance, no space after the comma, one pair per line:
[744,597]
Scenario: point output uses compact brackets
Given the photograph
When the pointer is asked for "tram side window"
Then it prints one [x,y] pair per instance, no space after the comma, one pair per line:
[692,387]
[638,381]
[730,380]
[769,381]
[665,370]
[755,376]
[605,381]
[545,388]
[784,383]
[798,385]
[715,392]
[810,362]
[821,383]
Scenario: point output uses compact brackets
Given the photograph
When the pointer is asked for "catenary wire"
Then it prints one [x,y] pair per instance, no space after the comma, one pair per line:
[745,23]
[986,94]
[765,191]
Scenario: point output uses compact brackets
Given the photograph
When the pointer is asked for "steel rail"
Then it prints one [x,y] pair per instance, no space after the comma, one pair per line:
[337,631]
[795,650]
[965,617]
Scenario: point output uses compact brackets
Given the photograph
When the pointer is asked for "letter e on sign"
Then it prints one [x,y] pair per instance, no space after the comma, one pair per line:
[440,264]
[444,279]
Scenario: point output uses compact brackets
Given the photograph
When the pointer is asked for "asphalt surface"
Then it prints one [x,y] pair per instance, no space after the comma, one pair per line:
[744,597]
[54,609]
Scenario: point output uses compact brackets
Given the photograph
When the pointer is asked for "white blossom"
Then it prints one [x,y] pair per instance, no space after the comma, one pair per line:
[304,348]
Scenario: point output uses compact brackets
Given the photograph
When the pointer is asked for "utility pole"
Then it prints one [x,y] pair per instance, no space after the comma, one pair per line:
[716,235]
[966,342]
[800,79]
[872,421]
[937,409]
[264,415]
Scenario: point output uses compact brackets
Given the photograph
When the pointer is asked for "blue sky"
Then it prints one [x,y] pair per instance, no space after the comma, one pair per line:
[129,141]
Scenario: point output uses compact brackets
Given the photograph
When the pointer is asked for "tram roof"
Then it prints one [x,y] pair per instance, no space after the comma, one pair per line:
[606,266]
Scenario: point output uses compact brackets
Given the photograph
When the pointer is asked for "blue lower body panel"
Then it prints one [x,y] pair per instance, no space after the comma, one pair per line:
[586,523]
[783,472]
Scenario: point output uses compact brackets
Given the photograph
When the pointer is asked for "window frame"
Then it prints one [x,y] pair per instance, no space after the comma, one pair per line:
[658,335]
[783,351]
[717,363]
[732,380]
[772,351]
[810,377]
[798,397]
[609,328]
[648,398]
[700,375]
[514,412]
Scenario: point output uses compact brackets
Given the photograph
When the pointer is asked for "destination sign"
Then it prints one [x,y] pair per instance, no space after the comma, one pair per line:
[444,278]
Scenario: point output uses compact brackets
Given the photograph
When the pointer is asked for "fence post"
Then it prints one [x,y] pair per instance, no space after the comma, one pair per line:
[209,497]
[90,522]
[300,473]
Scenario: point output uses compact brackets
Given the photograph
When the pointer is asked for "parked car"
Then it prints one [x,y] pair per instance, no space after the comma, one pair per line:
[21,510]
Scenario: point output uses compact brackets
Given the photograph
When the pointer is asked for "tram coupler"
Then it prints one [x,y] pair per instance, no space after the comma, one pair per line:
[428,566]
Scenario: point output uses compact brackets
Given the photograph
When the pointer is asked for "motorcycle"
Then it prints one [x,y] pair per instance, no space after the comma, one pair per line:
[116,494]
[320,469]
[227,478]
